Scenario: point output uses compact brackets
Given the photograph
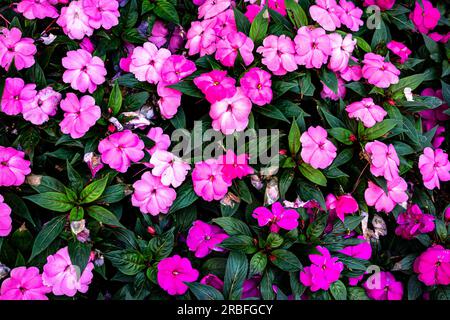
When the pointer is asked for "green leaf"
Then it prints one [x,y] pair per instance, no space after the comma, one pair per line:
[188,88]
[357,293]
[362,44]
[240,242]
[53,201]
[204,292]
[113,194]
[129,262]
[285,260]
[162,245]
[242,23]
[185,197]
[79,254]
[50,231]
[76,214]
[380,129]
[115,99]
[329,78]
[235,274]
[258,263]
[104,216]
[233,226]
[294,138]
[342,135]
[136,100]
[167,11]
[274,240]
[94,190]
[338,290]
[259,26]
[414,287]
[316,228]
[47,184]
[296,13]
[313,175]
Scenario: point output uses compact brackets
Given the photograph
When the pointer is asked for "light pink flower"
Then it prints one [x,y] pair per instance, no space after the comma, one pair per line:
[175,68]
[312,46]
[208,179]
[84,72]
[147,62]
[278,54]
[317,150]
[17,95]
[378,72]
[383,4]
[366,111]
[159,34]
[211,8]
[341,50]
[387,289]
[224,24]
[232,44]
[234,166]
[425,17]
[433,266]
[24,284]
[169,100]
[434,167]
[231,114]
[79,115]
[201,37]
[63,277]
[350,15]
[216,85]
[203,238]
[74,21]
[352,72]
[14,47]
[36,9]
[93,162]
[375,195]
[257,86]
[399,49]
[44,106]
[5,218]
[171,169]
[151,196]
[13,167]
[383,160]
[330,94]
[413,222]
[326,13]
[120,149]
[277,218]
[102,13]
[162,141]
[173,272]
[341,205]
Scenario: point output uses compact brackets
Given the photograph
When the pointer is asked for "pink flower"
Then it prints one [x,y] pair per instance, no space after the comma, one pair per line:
[74,21]
[250,288]
[120,149]
[216,85]
[433,266]
[162,141]
[352,72]
[313,47]
[342,205]
[173,272]
[277,218]
[224,24]
[257,86]
[330,94]
[317,150]
[63,277]
[24,284]
[326,14]
[102,13]
[79,115]
[84,72]
[171,169]
[36,9]
[86,44]
[159,34]
[175,68]
[211,8]
[378,72]
[208,179]
[413,222]
[147,62]
[151,196]
[231,114]
[366,111]
[229,47]
[204,238]
[201,37]
[278,6]
[375,195]
[323,271]
[125,62]
[383,160]
[44,105]
[399,49]
[252,11]
[93,162]
[278,54]
[387,288]
[360,251]
[383,4]
[350,15]
[434,167]
[437,37]
[425,17]
[14,47]
[13,167]
[433,117]
[5,218]
[341,51]
[213,281]
[169,100]
[234,166]
[17,95]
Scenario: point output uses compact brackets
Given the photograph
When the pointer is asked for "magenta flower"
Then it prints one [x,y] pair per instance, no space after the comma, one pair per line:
[278,54]
[14,47]
[79,115]
[175,68]
[102,13]
[120,149]
[173,272]
[278,6]
[231,114]
[86,44]
[252,11]
[229,47]
[326,13]
[147,62]
[24,284]
[201,38]
[425,17]
[17,95]
[171,169]
[413,222]
[366,111]
[250,288]
[341,51]
[277,218]
[211,8]
[13,167]
[151,196]
[257,86]
[385,288]
[169,100]
[74,21]
[84,72]
[317,150]
[383,160]
[434,167]
[37,9]
[383,4]
[213,281]
[360,251]
[162,141]
[378,72]
[208,179]
[341,205]
[433,266]
[375,195]
[159,34]
[399,49]
[5,218]
[234,166]
[313,47]
[323,271]
[203,238]
[224,24]
[350,15]
[330,94]
[216,85]
[43,107]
